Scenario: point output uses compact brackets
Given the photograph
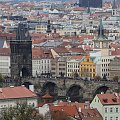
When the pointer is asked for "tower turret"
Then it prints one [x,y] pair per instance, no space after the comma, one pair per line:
[114,8]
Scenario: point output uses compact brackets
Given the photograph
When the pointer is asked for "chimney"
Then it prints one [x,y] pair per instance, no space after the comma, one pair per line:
[1,90]
[31,87]
[102,92]
[116,95]
[87,104]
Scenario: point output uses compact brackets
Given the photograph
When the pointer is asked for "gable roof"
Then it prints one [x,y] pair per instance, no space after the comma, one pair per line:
[69,110]
[90,114]
[109,99]
[16,92]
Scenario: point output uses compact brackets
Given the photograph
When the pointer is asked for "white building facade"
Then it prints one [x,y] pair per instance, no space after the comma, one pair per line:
[5,65]
[73,65]
[108,106]
[17,95]
[41,66]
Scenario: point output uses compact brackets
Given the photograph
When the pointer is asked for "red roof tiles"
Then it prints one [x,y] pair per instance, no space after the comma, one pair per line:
[47,96]
[90,114]
[69,110]
[109,99]
[16,92]
[5,51]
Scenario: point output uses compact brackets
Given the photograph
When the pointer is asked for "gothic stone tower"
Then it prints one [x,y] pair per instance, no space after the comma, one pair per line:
[21,53]
[101,43]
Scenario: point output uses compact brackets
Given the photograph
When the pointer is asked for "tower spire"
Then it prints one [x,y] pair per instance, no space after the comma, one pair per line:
[101,30]
[88,9]
[114,5]
[114,8]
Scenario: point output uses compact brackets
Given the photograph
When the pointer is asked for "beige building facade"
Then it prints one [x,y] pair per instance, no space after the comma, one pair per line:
[58,67]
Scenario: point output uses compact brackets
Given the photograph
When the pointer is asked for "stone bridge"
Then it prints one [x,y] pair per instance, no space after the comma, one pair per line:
[72,89]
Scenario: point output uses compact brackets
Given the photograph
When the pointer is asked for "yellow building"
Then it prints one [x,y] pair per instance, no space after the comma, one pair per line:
[41,28]
[88,67]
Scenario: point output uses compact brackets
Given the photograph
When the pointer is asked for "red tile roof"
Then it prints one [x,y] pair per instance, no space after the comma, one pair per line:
[82,37]
[60,50]
[116,52]
[79,9]
[109,99]
[5,51]
[76,50]
[76,57]
[90,114]
[69,110]
[47,96]
[40,53]
[16,92]
[81,105]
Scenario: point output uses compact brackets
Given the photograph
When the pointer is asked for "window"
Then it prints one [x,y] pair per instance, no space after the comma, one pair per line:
[105,118]
[116,118]
[111,110]
[111,118]
[105,110]
[116,110]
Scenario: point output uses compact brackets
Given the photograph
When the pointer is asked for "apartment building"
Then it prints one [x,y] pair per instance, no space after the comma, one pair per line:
[108,105]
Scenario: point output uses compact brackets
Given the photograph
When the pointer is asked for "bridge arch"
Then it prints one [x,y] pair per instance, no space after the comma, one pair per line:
[50,87]
[74,93]
[100,89]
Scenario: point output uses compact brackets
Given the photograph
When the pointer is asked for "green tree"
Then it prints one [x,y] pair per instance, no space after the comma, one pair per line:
[75,75]
[97,77]
[1,80]
[115,78]
[20,112]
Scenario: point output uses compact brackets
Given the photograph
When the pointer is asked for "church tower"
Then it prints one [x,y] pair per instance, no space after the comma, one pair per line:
[114,9]
[88,8]
[21,53]
[101,43]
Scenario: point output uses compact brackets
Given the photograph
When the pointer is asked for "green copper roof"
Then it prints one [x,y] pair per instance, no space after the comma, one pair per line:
[88,9]
[114,5]
[101,35]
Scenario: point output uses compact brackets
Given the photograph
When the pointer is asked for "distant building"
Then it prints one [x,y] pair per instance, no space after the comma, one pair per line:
[108,105]
[73,66]
[58,67]
[41,62]
[91,3]
[92,114]
[88,67]
[5,61]
[41,27]
[102,52]
[114,68]
[11,96]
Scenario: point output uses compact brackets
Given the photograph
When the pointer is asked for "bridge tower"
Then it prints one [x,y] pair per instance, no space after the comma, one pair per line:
[21,53]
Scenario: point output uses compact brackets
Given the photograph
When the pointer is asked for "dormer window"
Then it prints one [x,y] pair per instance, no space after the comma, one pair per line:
[105,100]
[114,99]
